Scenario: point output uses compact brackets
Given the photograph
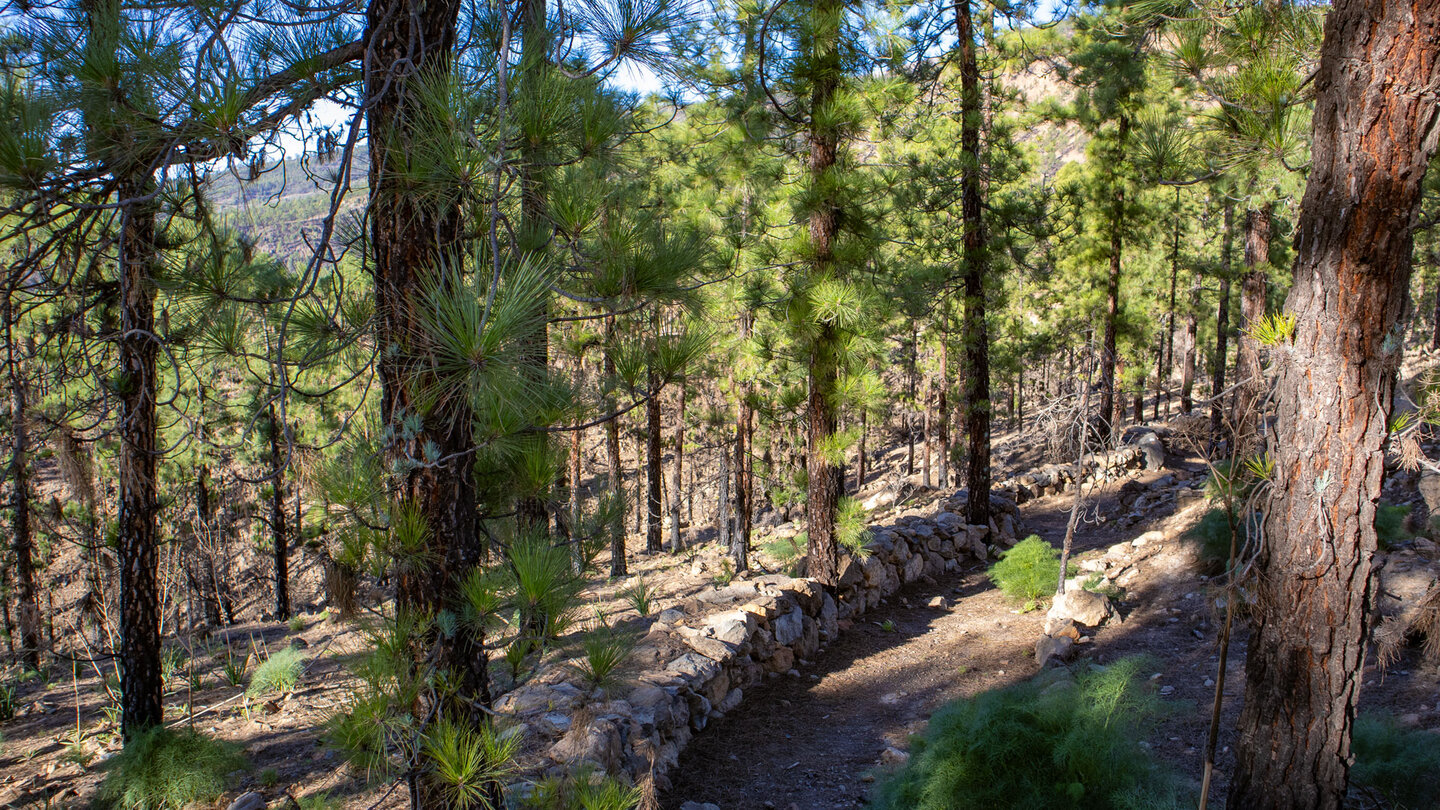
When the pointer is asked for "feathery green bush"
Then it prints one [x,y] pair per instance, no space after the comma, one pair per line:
[1028,571]
[1391,760]
[1041,744]
[279,673]
[162,769]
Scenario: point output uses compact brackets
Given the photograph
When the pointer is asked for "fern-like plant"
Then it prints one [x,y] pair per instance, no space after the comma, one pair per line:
[1027,572]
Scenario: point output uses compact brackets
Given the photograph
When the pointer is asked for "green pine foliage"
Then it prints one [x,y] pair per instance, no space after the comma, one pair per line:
[163,769]
[1028,571]
[1043,743]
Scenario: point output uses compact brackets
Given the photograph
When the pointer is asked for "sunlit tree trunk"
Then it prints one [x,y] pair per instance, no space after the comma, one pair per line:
[1375,126]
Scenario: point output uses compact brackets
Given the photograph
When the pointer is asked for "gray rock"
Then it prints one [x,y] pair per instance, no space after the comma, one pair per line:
[671,616]
[1055,649]
[894,756]
[1153,450]
[733,627]
[790,627]
[1429,486]
[248,801]
[699,806]
[695,668]
[1082,607]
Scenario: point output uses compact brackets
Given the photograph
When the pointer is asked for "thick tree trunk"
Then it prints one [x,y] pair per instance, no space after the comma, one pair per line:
[1375,127]
[416,246]
[823,483]
[140,682]
[23,541]
[974,335]
[1222,328]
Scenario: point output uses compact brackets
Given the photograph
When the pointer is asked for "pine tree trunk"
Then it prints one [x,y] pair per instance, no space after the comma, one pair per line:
[723,524]
[860,462]
[655,512]
[278,533]
[1192,334]
[925,436]
[1169,354]
[943,405]
[676,478]
[1109,352]
[617,475]
[27,606]
[416,241]
[1379,73]
[1222,327]
[975,398]
[140,682]
[1249,395]
[823,481]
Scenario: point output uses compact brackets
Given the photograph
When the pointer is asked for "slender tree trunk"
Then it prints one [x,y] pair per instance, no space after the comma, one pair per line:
[654,458]
[1192,334]
[1379,73]
[723,523]
[28,607]
[278,533]
[943,404]
[926,422]
[1249,395]
[823,481]
[975,398]
[741,540]
[860,461]
[1222,327]
[910,412]
[676,479]
[617,475]
[1168,365]
[1110,355]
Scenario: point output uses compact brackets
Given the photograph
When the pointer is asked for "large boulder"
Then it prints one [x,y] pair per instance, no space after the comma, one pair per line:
[1053,649]
[1080,606]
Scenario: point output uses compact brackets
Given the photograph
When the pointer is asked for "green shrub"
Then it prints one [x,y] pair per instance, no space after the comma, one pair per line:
[168,770]
[7,701]
[1391,760]
[1028,571]
[235,667]
[606,649]
[583,790]
[297,623]
[1044,743]
[1390,524]
[279,673]
[640,596]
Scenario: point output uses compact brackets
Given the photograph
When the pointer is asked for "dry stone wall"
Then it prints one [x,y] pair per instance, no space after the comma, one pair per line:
[700,658]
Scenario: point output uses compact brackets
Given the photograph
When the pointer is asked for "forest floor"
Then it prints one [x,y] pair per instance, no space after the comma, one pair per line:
[808,742]
[820,742]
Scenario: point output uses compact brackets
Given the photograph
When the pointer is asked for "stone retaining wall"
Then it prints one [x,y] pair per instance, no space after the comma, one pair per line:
[701,657]
[1055,478]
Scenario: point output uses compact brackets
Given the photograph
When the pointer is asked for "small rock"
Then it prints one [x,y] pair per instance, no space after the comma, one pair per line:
[894,756]
[939,603]
[1081,606]
[248,801]
[1167,690]
[699,806]
[1051,648]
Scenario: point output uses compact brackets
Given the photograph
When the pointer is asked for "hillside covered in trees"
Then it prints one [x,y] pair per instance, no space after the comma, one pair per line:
[909,405]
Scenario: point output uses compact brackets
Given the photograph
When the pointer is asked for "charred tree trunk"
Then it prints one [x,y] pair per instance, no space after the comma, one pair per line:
[676,480]
[925,435]
[612,450]
[1222,327]
[27,606]
[942,405]
[1168,363]
[975,398]
[654,456]
[1379,73]
[416,244]
[278,532]
[1109,352]
[1192,335]
[1250,393]
[823,483]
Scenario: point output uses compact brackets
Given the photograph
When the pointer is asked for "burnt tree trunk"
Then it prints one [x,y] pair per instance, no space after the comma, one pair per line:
[1375,127]
[942,406]
[975,396]
[278,530]
[23,541]
[676,479]
[823,484]
[1109,352]
[1222,327]
[416,245]
[655,510]
[612,451]
[1192,335]
[1250,390]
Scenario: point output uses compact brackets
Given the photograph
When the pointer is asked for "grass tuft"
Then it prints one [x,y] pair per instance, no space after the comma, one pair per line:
[1028,571]
[1390,757]
[279,673]
[1044,744]
[168,770]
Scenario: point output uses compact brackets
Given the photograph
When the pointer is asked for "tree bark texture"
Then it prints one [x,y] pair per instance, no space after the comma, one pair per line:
[278,531]
[22,538]
[1222,327]
[1250,391]
[1374,132]
[975,373]
[1109,359]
